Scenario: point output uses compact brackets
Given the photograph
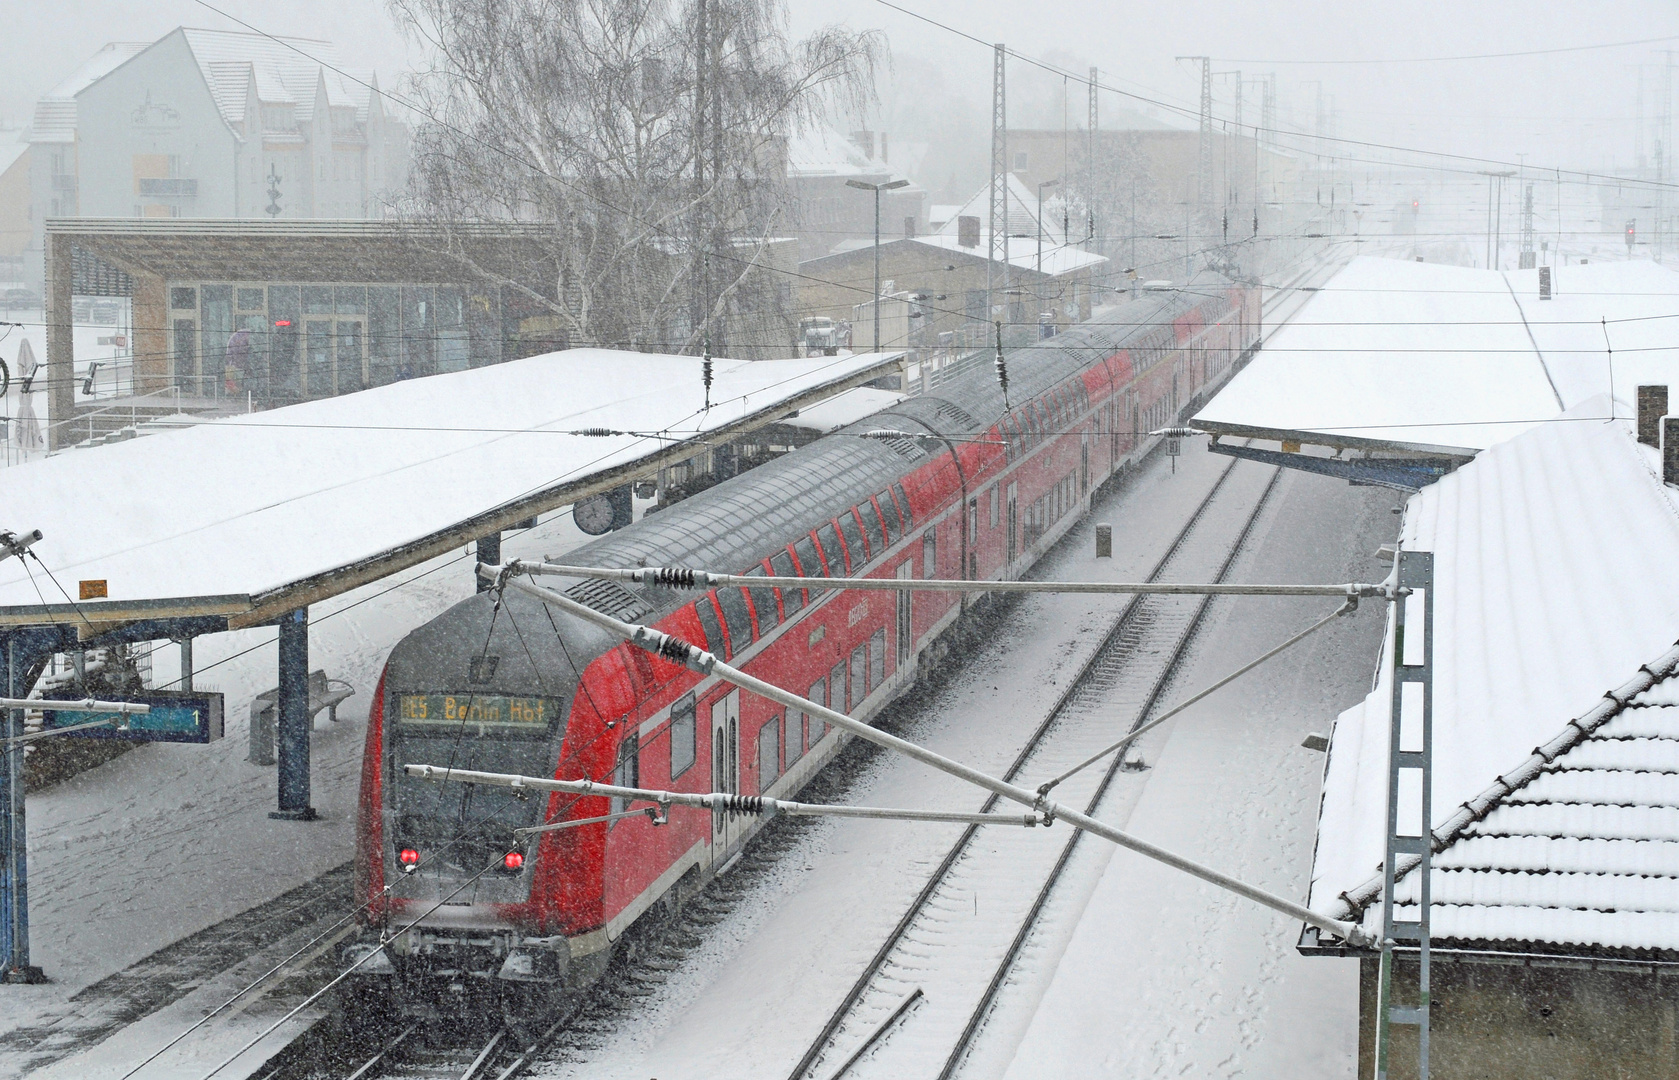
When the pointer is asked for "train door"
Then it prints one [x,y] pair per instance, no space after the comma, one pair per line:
[726,828]
[1084,464]
[1014,521]
[906,633]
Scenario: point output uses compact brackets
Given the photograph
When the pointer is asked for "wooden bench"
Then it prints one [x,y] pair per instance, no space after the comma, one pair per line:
[324,693]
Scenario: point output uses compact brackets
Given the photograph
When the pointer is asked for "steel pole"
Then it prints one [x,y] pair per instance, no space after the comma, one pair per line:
[877,268]
[675,650]
[14,874]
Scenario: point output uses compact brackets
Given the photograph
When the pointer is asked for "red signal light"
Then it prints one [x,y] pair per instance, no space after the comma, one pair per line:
[408,857]
[513,860]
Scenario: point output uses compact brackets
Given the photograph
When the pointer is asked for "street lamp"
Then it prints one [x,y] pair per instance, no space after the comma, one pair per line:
[1046,183]
[877,189]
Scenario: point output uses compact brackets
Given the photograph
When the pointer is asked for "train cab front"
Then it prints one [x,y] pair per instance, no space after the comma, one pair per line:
[468,914]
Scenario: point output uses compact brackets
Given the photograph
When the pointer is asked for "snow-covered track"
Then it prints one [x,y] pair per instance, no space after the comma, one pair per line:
[945,952]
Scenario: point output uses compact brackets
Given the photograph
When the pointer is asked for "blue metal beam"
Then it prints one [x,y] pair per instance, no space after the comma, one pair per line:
[1400,474]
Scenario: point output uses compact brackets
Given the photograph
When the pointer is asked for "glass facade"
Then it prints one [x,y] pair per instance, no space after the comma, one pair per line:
[281,343]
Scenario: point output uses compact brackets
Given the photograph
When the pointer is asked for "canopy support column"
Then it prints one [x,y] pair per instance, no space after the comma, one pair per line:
[14,845]
[294,718]
[489,553]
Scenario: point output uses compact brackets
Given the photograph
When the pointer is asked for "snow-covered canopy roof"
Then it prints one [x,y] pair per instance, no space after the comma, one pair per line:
[1434,357]
[255,515]
[843,409]
[1556,560]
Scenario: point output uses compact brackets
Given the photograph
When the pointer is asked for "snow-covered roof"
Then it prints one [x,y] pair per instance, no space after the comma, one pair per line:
[819,150]
[1022,215]
[843,409]
[1556,561]
[1057,259]
[1429,355]
[13,145]
[236,516]
[287,70]
[55,114]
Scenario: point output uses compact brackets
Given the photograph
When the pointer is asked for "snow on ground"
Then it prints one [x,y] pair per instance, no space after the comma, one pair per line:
[747,1002]
[1168,976]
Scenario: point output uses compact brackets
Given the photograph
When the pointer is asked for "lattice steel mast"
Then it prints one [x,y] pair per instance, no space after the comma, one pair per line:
[999,211]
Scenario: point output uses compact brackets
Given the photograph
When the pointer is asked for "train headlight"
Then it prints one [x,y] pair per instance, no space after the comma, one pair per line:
[409,858]
[513,860]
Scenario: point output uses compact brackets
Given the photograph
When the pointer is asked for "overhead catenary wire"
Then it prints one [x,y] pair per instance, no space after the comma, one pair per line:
[675,650]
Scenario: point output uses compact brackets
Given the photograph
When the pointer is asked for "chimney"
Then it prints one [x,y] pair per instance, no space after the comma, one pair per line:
[1652,406]
[967,230]
[1670,450]
[909,228]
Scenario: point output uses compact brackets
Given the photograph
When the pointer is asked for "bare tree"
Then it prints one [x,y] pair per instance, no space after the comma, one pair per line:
[648,136]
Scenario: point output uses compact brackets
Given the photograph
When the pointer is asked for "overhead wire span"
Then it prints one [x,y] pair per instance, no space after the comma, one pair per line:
[704,663]
[684,578]
[722,802]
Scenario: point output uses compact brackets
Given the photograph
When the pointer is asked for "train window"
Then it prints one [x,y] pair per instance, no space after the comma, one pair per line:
[973,520]
[904,510]
[627,771]
[769,753]
[889,515]
[683,745]
[856,554]
[737,618]
[838,699]
[830,547]
[763,602]
[929,554]
[877,658]
[782,564]
[814,728]
[994,506]
[872,528]
[707,612]
[859,674]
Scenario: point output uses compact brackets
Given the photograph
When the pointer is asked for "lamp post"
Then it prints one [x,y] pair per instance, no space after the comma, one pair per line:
[877,189]
[1046,183]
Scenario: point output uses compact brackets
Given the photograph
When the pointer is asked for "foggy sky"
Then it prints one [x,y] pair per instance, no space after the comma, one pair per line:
[1574,109]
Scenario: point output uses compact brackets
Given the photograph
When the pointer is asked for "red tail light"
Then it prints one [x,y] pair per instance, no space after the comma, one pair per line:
[408,857]
[513,860]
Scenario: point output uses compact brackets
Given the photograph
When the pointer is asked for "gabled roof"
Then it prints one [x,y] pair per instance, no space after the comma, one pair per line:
[1024,212]
[287,70]
[55,114]
[819,150]
[1556,560]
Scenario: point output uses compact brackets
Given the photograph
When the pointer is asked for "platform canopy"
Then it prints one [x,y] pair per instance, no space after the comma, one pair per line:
[253,516]
[1429,360]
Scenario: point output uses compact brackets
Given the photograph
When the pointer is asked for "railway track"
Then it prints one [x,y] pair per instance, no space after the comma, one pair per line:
[918,1006]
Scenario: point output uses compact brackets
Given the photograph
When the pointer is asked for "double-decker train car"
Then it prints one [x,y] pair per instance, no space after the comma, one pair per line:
[951,484]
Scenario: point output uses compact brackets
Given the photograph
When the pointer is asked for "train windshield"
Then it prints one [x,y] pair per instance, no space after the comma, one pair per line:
[461,828]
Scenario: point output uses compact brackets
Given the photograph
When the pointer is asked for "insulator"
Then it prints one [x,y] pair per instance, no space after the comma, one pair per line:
[744,804]
[596,432]
[674,577]
[675,649]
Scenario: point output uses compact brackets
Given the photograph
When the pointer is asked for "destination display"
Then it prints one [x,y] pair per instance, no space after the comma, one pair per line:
[183,716]
[475,710]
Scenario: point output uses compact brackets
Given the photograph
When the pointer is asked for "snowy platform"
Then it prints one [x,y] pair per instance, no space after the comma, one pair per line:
[1423,357]
[251,516]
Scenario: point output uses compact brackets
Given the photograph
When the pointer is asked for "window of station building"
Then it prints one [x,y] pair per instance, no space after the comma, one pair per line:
[249,299]
[781,565]
[707,613]
[183,298]
[889,514]
[856,555]
[839,699]
[763,602]
[214,331]
[736,617]
[769,752]
[317,300]
[627,771]
[384,333]
[930,554]
[684,747]
[454,351]
[419,357]
[877,658]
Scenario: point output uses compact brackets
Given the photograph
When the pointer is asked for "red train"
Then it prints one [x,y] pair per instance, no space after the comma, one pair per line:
[981,491]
